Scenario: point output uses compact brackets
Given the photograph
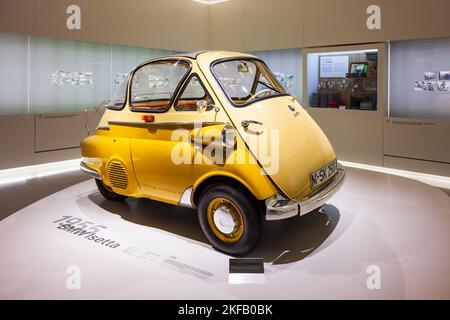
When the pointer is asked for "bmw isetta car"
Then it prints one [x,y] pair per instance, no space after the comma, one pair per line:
[215,131]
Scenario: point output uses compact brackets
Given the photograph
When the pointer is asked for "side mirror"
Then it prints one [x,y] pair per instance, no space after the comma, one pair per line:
[202,106]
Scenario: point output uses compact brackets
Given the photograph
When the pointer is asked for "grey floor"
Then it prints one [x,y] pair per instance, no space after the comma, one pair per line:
[447,191]
[377,226]
[15,196]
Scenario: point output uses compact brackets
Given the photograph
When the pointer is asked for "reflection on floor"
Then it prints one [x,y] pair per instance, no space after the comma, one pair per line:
[295,238]
[18,195]
[154,250]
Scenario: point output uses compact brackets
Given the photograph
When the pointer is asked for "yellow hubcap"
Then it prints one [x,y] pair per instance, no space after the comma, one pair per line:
[225,220]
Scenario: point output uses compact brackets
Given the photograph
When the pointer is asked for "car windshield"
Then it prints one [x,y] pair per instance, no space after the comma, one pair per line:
[245,81]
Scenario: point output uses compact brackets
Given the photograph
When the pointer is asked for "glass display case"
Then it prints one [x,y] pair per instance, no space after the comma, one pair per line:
[420,79]
[286,65]
[53,75]
[14,73]
[343,78]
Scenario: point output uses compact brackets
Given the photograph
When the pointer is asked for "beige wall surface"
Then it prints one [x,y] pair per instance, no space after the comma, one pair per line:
[329,22]
[415,19]
[29,139]
[244,25]
[16,140]
[225,26]
[417,139]
[163,24]
[355,138]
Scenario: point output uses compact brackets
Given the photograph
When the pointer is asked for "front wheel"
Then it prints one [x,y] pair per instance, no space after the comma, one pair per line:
[230,219]
[108,193]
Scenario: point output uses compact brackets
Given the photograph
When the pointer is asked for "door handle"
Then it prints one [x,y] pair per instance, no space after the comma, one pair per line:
[246,123]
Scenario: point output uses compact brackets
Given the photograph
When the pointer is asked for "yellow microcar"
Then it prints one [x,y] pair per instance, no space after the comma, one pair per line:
[215,131]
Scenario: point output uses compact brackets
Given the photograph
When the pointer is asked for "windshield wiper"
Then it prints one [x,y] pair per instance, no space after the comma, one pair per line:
[268,86]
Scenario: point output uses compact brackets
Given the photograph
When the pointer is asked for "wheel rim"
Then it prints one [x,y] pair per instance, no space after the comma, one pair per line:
[225,220]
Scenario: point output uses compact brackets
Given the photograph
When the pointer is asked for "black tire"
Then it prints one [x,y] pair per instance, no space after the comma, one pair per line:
[108,193]
[250,213]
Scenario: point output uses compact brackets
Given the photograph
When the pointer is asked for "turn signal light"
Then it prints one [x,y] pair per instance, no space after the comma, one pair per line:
[148,118]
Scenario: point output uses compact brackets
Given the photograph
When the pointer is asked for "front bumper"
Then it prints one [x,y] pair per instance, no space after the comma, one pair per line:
[84,168]
[281,208]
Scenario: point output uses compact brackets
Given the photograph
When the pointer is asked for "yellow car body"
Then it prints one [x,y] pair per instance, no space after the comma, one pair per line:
[132,150]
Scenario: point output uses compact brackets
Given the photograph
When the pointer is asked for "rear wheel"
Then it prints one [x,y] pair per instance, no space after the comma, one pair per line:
[108,193]
[230,219]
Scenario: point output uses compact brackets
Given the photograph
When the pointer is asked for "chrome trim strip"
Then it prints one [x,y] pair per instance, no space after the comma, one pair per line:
[84,168]
[185,200]
[284,208]
[165,123]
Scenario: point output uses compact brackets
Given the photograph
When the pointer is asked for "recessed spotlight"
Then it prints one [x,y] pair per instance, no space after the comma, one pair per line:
[210,2]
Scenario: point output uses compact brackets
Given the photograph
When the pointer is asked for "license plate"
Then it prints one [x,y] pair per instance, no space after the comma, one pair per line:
[322,175]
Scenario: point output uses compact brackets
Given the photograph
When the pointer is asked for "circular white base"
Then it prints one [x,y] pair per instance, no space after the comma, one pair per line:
[382,226]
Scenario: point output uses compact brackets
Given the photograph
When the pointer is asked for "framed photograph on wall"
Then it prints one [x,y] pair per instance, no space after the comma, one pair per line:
[430,75]
[443,85]
[432,85]
[444,75]
[420,85]
[333,66]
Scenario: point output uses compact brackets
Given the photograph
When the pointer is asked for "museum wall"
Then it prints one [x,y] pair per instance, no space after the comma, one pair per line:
[287,66]
[244,25]
[256,25]
[121,34]
[46,86]
[250,25]
[164,24]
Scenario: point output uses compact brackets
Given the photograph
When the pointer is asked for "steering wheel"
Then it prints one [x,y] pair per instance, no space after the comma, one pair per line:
[257,94]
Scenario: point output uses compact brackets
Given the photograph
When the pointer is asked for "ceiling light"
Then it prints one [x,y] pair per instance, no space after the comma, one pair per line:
[210,2]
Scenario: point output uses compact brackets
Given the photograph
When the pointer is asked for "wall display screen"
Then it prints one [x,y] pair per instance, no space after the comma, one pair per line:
[52,75]
[420,79]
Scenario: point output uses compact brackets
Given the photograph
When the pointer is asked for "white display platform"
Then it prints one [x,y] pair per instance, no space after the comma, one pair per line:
[399,225]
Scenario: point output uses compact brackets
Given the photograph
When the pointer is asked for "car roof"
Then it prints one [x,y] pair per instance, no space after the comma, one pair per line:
[203,58]
[219,54]
[208,54]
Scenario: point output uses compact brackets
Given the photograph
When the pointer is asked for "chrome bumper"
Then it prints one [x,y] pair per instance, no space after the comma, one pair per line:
[278,208]
[84,168]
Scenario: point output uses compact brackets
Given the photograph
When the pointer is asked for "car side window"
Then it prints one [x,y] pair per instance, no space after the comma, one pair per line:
[154,85]
[119,99]
[192,92]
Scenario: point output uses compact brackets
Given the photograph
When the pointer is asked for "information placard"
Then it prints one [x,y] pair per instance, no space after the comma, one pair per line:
[333,66]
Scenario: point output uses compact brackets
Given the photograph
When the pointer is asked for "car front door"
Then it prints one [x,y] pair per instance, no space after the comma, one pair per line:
[166,94]
[282,136]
